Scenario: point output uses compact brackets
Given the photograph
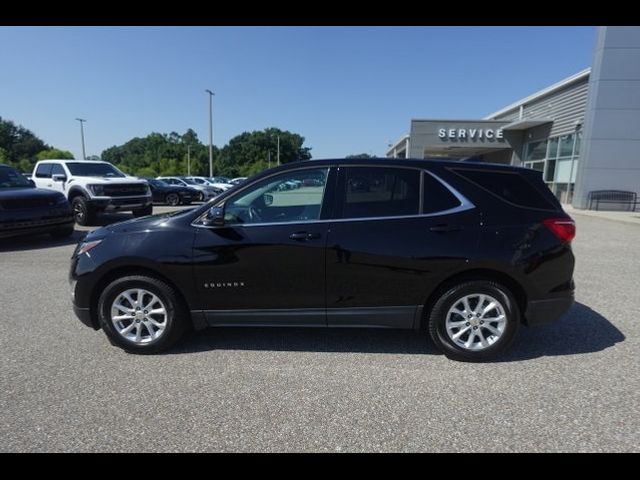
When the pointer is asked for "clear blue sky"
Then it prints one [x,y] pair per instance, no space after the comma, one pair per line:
[346,89]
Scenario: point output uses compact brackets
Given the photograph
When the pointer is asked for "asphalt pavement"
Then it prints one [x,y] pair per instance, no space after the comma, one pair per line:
[570,386]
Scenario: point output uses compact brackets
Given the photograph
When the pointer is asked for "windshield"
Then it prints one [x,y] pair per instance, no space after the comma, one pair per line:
[11,178]
[189,181]
[88,169]
[158,183]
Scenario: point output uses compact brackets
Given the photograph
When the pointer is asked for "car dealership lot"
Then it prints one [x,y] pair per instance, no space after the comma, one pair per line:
[570,386]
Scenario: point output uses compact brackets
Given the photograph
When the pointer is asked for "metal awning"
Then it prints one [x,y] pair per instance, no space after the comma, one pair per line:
[526,123]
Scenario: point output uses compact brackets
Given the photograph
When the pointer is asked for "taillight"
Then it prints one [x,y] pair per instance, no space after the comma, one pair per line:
[563,228]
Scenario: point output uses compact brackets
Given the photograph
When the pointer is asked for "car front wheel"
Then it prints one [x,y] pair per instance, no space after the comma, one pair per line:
[474,321]
[141,314]
[82,212]
[172,199]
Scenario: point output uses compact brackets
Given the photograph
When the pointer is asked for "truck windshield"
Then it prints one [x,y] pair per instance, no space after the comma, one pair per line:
[89,169]
[10,178]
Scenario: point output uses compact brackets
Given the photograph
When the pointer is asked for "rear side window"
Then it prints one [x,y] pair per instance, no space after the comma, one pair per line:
[44,170]
[437,197]
[380,192]
[509,186]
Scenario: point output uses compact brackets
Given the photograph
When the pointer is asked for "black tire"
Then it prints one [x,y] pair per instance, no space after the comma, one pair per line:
[177,318]
[65,232]
[83,214]
[172,199]
[143,212]
[438,316]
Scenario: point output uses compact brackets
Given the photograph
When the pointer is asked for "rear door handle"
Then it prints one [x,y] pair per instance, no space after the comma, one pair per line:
[445,228]
[304,236]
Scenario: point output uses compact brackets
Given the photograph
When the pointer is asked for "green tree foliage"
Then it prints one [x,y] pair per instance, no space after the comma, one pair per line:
[19,146]
[54,153]
[360,155]
[166,154]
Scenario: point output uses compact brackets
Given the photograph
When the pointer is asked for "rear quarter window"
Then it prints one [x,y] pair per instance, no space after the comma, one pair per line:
[512,187]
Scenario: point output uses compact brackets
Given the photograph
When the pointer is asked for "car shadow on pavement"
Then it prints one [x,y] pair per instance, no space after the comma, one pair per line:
[38,242]
[581,330]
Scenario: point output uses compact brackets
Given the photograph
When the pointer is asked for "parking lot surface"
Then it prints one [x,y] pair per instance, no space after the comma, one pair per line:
[569,386]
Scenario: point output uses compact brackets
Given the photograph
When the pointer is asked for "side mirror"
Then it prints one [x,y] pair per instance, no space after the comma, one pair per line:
[59,178]
[268,199]
[214,217]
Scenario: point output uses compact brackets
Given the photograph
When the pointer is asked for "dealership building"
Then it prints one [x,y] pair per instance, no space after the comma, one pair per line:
[582,133]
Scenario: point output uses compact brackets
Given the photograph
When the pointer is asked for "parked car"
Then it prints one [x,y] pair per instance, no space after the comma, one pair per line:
[171,195]
[27,210]
[237,181]
[465,253]
[219,186]
[93,187]
[205,192]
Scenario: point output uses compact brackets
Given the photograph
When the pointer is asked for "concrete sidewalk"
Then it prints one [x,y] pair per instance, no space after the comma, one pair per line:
[625,217]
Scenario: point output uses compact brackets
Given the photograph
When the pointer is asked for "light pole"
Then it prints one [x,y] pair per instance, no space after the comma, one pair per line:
[278,150]
[211,94]
[82,120]
[189,160]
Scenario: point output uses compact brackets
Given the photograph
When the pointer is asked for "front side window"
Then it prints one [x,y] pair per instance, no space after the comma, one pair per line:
[380,192]
[57,169]
[286,198]
[43,170]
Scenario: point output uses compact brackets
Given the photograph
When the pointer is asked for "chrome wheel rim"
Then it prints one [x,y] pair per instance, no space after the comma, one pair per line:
[78,211]
[139,316]
[475,322]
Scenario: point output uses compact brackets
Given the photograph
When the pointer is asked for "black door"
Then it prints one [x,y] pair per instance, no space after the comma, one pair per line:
[400,232]
[267,264]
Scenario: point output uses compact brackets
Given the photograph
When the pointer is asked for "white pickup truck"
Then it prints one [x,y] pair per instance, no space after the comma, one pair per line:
[94,186]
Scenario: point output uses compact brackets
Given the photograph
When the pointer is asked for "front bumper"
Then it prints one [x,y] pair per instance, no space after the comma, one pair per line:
[540,312]
[35,227]
[114,204]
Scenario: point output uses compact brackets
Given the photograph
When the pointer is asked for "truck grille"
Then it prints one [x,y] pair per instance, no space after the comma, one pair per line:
[24,203]
[126,190]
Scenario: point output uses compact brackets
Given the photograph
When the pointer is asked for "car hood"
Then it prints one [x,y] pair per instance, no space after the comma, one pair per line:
[27,192]
[136,225]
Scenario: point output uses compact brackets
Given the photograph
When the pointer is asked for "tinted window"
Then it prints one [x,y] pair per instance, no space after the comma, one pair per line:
[89,169]
[43,170]
[289,197]
[437,197]
[509,186]
[380,192]
[57,169]
[11,178]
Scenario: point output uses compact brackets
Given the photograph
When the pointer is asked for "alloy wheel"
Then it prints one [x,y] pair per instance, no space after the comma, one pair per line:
[139,316]
[475,322]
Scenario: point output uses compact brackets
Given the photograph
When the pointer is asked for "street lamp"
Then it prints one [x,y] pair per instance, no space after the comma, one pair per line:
[82,120]
[211,94]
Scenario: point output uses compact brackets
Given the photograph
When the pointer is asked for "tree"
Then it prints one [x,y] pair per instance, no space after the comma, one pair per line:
[19,144]
[360,155]
[54,153]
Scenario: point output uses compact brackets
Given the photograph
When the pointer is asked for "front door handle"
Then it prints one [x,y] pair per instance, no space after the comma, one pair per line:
[304,236]
[445,228]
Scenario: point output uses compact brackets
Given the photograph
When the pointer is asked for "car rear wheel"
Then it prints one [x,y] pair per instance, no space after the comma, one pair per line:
[474,321]
[172,199]
[141,314]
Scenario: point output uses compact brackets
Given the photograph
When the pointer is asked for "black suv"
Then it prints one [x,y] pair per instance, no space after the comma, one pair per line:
[467,252]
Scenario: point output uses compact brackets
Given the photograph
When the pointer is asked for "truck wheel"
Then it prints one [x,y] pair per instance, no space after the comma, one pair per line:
[82,212]
[143,212]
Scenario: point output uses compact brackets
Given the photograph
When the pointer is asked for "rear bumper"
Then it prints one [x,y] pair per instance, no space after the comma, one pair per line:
[540,312]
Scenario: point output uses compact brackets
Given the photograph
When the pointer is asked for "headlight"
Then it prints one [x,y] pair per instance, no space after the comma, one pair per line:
[97,190]
[87,246]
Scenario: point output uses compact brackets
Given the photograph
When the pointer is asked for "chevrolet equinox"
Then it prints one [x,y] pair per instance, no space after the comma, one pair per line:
[464,251]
